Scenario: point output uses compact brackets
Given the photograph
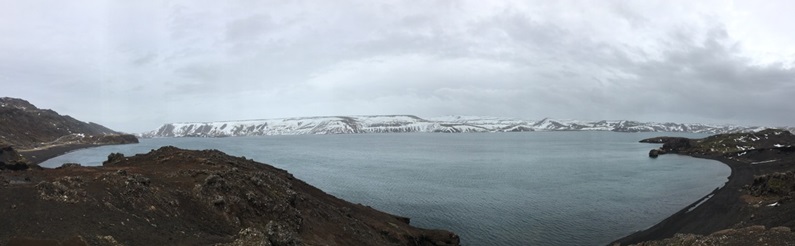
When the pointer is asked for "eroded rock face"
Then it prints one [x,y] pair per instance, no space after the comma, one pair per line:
[177,196]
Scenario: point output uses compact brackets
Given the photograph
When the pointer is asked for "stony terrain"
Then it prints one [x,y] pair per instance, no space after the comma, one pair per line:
[757,196]
[174,196]
[752,235]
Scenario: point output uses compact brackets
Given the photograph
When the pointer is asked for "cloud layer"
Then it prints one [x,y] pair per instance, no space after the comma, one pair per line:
[133,66]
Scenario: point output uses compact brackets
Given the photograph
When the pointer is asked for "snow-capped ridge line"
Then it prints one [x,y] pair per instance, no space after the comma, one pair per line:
[292,118]
[354,124]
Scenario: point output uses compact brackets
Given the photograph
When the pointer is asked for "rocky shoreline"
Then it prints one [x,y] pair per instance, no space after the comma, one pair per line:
[731,207]
[40,154]
[701,217]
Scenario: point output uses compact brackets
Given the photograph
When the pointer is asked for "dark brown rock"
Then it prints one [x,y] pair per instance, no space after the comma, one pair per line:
[654,153]
[114,158]
[11,160]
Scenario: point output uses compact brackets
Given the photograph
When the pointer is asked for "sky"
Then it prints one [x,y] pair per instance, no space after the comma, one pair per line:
[135,65]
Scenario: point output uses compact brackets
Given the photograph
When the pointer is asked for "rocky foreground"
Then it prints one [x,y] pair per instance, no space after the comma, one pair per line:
[173,196]
[752,235]
[755,207]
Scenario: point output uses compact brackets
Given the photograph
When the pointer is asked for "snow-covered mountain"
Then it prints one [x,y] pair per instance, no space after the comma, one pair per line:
[410,123]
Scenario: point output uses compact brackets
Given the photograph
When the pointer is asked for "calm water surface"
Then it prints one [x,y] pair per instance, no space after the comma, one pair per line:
[535,188]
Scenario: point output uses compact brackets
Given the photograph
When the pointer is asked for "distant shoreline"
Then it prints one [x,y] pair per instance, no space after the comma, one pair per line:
[40,155]
[718,212]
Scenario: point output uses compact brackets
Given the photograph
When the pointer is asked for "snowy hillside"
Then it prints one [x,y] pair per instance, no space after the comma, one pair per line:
[410,123]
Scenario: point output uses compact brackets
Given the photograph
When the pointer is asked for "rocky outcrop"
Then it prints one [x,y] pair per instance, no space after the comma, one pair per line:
[780,184]
[654,153]
[10,159]
[185,197]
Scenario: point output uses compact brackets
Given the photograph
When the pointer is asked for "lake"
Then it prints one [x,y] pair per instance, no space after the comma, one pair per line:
[530,188]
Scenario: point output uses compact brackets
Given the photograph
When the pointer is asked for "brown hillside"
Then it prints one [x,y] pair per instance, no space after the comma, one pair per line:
[26,126]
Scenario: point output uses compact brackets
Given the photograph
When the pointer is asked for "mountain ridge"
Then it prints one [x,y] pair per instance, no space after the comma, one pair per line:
[356,124]
[27,127]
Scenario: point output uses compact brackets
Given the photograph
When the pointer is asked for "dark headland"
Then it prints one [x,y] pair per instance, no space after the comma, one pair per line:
[168,196]
[754,207]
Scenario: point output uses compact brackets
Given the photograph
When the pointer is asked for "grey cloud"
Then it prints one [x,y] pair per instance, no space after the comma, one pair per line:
[144,59]
[248,28]
[714,80]
[208,60]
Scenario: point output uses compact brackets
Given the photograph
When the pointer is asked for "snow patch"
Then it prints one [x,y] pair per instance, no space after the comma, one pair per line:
[763,162]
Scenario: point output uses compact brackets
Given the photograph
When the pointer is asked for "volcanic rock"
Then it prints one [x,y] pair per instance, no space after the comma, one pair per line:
[10,159]
[751,235]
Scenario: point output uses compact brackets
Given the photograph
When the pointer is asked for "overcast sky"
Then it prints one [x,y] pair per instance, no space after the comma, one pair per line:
[134,65]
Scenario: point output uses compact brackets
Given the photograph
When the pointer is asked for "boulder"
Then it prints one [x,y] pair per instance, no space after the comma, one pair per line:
[114,158]
[11,160]
[654,153]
